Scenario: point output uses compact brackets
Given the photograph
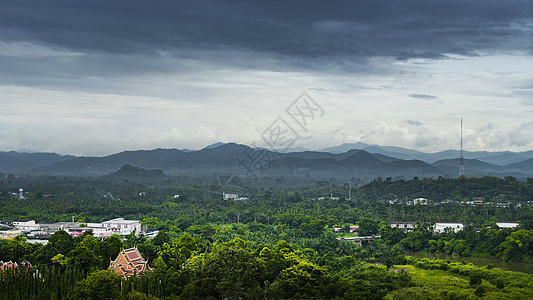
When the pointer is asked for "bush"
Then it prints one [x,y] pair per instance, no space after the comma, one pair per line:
[475,279]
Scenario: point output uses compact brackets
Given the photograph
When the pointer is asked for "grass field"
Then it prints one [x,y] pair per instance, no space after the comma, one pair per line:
[438,284]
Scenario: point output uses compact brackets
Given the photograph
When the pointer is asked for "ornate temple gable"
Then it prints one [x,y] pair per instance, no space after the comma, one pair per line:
[129,262]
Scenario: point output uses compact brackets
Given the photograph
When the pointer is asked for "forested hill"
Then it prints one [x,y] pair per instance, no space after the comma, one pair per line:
[238,159]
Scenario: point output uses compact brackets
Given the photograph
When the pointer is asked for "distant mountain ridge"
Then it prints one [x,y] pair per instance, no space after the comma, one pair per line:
[13,161]
[499,158]
[370,162]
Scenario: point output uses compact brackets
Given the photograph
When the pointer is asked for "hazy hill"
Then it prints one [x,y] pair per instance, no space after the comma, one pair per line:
[128,171]
[473,167]
[345,147]
[10,163]
[17,162]
[371,162]
[523,166]
[498,158]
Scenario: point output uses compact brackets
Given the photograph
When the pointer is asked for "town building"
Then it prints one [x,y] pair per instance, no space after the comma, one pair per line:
[122,227]
[10,234]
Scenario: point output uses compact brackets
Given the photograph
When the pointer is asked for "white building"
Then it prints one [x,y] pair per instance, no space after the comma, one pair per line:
[230,196]
[441,227]
[421,201]
[121,226]
[25,225]
[234,197]
[403,225]
[507,224]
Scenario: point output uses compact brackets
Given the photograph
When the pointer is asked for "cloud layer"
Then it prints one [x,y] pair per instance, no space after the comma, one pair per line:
[97,77]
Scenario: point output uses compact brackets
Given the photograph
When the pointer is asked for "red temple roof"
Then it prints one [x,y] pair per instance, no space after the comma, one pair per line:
[129,262]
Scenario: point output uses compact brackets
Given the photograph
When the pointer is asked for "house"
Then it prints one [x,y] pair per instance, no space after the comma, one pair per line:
[403,225]
[151,234]
[421,201]
[122,227]
[9,234]
[330,197]
[353,229]
[395,201]
[230,196]
[13,265]
[234,197]
[129,262]
[442,227]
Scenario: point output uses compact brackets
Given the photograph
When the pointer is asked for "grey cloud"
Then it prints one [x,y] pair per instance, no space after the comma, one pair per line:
[413,122]
[426,97]
[423,96]
[292,30]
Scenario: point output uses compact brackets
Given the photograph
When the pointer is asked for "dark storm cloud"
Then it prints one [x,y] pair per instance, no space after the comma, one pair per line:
[294,31]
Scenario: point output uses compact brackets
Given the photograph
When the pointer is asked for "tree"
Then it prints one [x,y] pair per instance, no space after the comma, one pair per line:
[414,240]
[313,228]
[61,242]
[110,248]
[231,271]
[17,249]
[99,285]
[368,227]
[517,246]
[186,246]
[82,258]
[161,238]
[302,281]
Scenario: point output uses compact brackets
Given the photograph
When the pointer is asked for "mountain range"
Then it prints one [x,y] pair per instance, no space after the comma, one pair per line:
[357,160]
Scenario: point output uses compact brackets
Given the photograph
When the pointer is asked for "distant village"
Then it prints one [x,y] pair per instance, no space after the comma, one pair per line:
[474,202]
[41,232]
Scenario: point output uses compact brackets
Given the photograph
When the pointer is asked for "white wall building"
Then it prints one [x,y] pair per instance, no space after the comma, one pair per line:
[403,225]
[121,226]
[234,197]
[26,225]
[421,201]
[441,227]
[507,224]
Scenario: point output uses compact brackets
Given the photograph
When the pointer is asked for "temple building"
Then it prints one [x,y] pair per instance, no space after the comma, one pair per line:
[129,262]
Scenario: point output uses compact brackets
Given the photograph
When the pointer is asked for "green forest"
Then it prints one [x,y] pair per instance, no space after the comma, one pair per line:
[278,245]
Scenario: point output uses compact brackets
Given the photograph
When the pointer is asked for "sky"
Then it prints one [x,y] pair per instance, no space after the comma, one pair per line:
[103,76]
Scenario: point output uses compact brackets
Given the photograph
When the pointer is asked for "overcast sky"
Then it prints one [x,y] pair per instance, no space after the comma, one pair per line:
[101,76]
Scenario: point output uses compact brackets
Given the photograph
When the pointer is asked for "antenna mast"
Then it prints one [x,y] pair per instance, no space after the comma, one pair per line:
[461,160]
